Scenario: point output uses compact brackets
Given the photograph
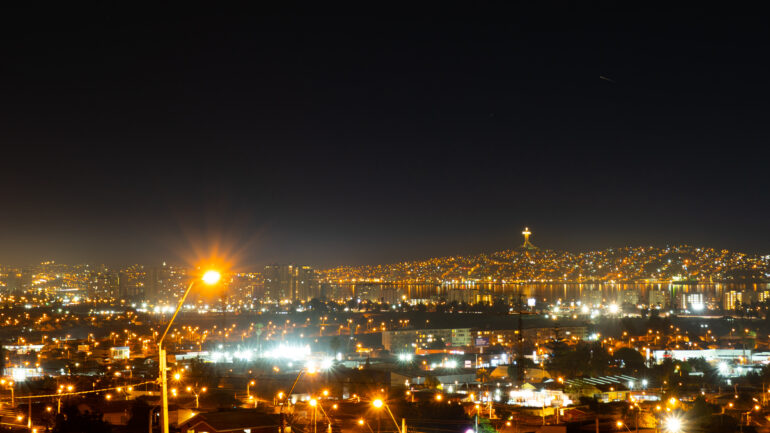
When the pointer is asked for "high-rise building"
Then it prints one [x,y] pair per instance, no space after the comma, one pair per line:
[731,299]
[630,297]
[468,296]
[306,283]
[658,299]
[592,297]
[155,282]
[101,283]
[131,283]
[290,282]
[12,282]
[691,301]
[332,292]
[278,282]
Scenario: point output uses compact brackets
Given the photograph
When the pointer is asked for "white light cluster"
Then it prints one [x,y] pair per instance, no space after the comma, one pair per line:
[405,357]
[288,352]
[238,355]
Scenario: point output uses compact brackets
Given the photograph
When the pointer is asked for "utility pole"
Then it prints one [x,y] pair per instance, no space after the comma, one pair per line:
[519,355]
[637,418]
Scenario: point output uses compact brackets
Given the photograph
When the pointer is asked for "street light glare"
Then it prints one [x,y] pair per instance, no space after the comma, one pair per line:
[377,403]
[211,277]
[673,424]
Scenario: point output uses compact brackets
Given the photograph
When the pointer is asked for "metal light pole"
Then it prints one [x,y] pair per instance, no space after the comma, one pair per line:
[211,278]
[379,403]
[10,386]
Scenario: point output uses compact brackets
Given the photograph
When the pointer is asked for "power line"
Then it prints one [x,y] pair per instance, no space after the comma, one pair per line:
[64,394]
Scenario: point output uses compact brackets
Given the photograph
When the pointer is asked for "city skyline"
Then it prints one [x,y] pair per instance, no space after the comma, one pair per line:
[465,218]
[227,259]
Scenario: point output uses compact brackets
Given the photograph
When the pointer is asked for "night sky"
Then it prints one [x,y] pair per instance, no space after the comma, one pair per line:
[362,136]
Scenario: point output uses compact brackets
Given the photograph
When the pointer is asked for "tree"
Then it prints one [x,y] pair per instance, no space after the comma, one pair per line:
[485,426]
[221,399]
[700,410]
[140,415]
[513,371]
[203,374]
[629,359]
[432,382]
[483,375]
[72,421]
[334,344]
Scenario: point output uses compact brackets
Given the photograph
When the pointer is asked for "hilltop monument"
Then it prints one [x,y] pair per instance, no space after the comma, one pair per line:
[527,244]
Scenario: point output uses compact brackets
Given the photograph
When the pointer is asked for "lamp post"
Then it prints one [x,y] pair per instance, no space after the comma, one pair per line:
[379,403]
[316,403]
[362,422]
[313,403]
[196,393]
[248,385]
[288,397]
[210,278]
[10,386]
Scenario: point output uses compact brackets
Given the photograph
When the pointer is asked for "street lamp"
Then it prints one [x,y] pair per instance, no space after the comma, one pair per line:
[10,386]
[196,393]
[379,403]
[301,371]
[673,424]
[362,422]
[210,277]
[313,404]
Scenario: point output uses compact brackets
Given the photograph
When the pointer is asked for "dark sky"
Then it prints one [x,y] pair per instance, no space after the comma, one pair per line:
[368,136]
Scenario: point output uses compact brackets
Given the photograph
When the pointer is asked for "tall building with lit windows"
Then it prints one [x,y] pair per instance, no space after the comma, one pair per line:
[290,282]
[658,299]
[154,283]
[691,301]
[278,282]
[731,300]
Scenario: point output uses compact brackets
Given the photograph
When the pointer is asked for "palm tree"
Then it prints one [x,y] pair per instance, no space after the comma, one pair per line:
[483,375]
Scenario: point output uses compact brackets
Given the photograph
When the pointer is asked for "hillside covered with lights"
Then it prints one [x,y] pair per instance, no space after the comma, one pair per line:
[630,264]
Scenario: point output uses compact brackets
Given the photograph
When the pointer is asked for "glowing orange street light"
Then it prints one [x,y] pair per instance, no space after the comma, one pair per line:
[378,403]
[210,278]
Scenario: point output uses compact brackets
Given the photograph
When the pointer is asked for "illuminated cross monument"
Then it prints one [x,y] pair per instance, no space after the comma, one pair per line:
[527,244]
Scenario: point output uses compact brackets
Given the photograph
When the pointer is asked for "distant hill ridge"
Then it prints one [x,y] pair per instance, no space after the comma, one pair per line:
[678,264]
